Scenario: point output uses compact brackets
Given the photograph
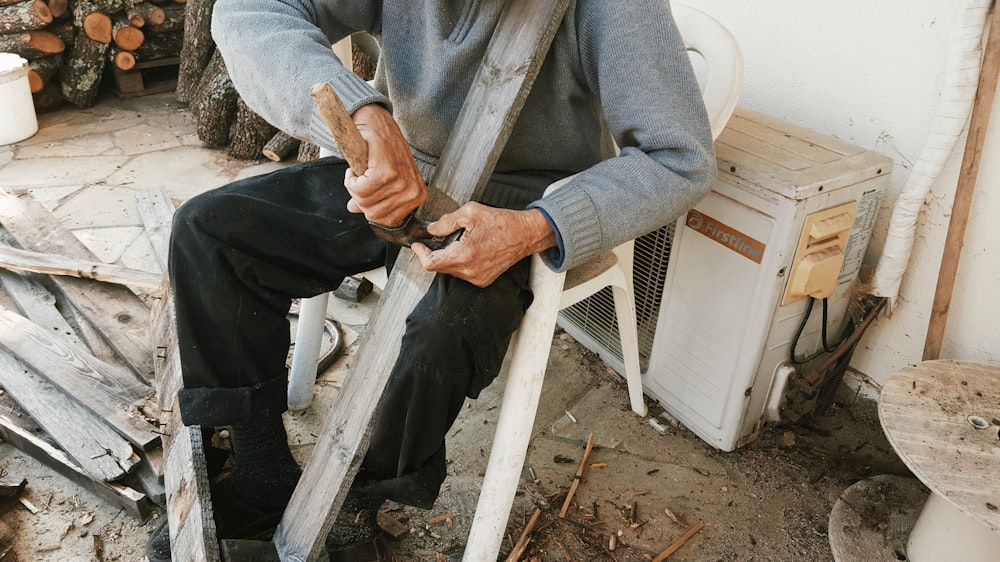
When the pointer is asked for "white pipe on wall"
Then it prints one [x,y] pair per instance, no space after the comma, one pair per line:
[951,116]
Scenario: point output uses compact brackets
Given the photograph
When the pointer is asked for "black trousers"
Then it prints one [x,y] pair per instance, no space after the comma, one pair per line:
[238,256]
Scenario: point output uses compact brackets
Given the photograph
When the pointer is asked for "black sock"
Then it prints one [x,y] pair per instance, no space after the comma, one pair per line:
[266,473]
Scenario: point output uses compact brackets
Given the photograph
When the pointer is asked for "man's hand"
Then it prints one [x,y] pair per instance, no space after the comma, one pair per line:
[391,187]
[494,240]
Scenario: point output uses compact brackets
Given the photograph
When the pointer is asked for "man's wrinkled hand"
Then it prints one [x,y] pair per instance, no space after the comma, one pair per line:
[494,240]
[392,186]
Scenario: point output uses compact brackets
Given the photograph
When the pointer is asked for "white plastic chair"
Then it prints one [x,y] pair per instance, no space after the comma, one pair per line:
[721,79]
[718,62]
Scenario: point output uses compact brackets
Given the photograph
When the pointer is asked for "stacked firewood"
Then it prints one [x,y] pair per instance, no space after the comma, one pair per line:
[223,118]
[69,43]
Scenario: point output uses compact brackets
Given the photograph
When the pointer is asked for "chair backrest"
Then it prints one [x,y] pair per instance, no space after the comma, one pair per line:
[717,59]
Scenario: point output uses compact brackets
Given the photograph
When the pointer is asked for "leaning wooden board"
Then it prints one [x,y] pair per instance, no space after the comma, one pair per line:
[512,61]
[186,485]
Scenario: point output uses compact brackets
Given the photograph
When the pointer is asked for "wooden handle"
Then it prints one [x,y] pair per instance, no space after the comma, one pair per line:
[352,145]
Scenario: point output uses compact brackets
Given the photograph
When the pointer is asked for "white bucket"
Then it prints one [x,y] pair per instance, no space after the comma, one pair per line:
[17,109]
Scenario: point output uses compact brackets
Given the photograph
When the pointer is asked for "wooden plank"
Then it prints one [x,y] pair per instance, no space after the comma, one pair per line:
[189,500]
[35,301]
[52,264]
[93,339]
[157,213]
[511,63]
[23,433]
[115,311]
[111,393]
[151,483]
[95,446]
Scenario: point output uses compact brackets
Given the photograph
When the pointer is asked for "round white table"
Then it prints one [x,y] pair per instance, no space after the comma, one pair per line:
[943,420]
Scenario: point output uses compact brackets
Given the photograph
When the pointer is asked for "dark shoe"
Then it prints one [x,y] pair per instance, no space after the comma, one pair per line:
[233,520]
[158,545]
[371,550]
[354,536]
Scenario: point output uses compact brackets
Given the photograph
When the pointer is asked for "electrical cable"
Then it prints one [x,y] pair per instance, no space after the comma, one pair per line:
[827,348]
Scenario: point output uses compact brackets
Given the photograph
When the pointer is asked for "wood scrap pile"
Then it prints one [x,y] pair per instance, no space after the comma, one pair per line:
[76,358]
[69,43]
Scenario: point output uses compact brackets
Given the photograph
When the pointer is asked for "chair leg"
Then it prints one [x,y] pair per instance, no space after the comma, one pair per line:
[308,338]
[629,337]
[529,356]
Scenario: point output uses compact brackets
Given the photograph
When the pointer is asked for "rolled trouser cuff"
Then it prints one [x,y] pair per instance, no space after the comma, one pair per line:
[227,406]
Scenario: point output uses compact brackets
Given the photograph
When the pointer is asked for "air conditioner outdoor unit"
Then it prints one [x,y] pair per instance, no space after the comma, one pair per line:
[721,294]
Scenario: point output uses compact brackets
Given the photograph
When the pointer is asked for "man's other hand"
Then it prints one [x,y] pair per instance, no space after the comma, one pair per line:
[494,240]
[391,187]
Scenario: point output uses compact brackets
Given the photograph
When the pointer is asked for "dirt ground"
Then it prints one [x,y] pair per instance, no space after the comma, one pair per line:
[769,501]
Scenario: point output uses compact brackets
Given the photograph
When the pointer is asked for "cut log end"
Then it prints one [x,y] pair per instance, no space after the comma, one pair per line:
[97,26]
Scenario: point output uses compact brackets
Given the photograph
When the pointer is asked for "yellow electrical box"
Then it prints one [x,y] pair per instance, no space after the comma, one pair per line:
[820,253]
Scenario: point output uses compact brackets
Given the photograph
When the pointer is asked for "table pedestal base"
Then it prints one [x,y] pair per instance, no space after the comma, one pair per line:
[942,532]
[872,519]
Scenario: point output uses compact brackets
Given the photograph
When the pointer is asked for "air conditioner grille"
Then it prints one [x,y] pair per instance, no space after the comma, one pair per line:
[595,315]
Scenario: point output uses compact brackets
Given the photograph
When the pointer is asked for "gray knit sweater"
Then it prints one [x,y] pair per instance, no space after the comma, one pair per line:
[616,74]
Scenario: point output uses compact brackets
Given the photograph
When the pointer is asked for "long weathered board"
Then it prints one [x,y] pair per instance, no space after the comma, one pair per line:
[111,393]
[37,262]
[97,448]
[189,500]
[156,211]
[511,63]
[23,433]
[117,312]
[35,301]
[186,485]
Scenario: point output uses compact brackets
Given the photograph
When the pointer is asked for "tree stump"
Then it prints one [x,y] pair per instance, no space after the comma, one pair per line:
[161,46]
[27,15]
[42,70]
[124,34]
[31,44]
[122,59]
[145,13]
[215,104]
[250,134]
[97,26]
[173,19]
[82,70]
[279,146]
[58,8]
[197,50]
[308,152]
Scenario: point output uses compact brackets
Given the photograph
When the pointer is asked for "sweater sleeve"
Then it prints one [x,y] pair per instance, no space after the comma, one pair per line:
[635,62]
[276,50]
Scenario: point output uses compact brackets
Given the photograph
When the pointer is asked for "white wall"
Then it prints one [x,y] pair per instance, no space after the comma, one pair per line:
[870,72]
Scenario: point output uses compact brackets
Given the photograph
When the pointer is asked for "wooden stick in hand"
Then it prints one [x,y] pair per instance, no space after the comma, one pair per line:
[352,145]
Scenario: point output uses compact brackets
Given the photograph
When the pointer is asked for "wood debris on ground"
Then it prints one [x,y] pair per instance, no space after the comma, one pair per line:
[588,531]
[76,342]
